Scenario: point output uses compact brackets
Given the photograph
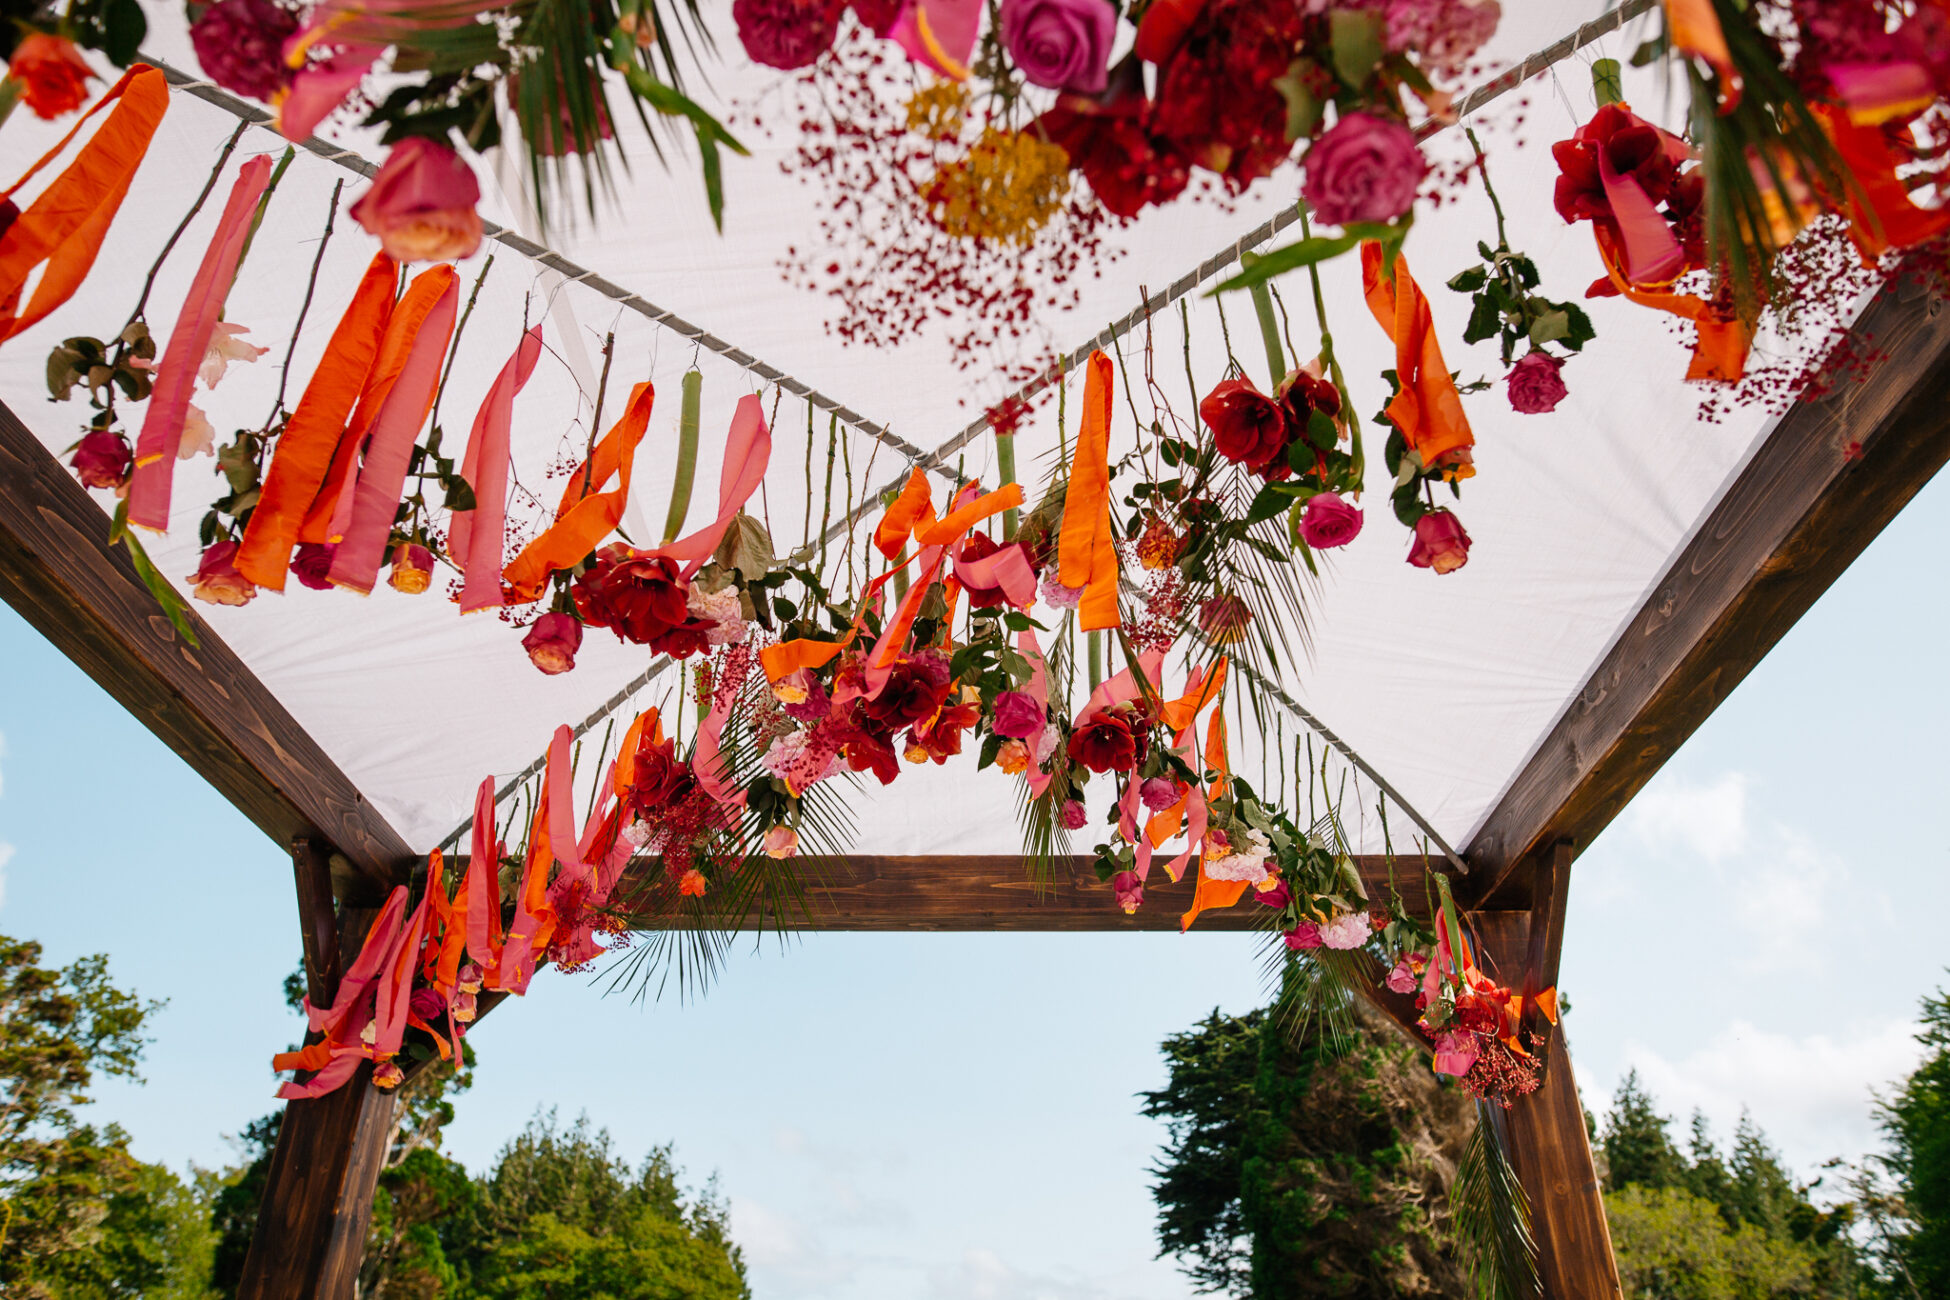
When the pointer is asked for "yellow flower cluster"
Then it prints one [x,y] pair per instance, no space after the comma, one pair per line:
[938,111]
[1007,188]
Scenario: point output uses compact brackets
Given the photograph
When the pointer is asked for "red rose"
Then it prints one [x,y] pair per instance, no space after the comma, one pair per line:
[52,75]
[553,641]
[1110,140]
[1536,387]
[103,460]
[660,779]
[786,34]
[216,580]
[1216,99]
[1104,743]
[312,565]
[1440,543]
[867,750]
[1247,426]
[421,205]
[640,598]
[914,690]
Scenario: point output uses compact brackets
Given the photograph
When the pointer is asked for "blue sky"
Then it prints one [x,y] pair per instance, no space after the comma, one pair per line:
[950,1116]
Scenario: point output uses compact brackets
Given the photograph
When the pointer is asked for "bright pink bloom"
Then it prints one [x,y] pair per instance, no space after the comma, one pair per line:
[1440,543]
[1018,716]
[1129,890]
[1328,521]
[421,204]
[1402,978]
[103,460]
[1303,937]
[1455,1052]
[553,641]
[1074,815]
[1536,387]
[1365,168]
[1061,44]
[1159,793]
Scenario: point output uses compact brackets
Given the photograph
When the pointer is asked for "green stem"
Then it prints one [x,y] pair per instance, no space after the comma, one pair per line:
[688,421]
[1269,329]
[1096,642]
[257,217]
[1333,362]
[596,419]
[1005,462]
[9,96]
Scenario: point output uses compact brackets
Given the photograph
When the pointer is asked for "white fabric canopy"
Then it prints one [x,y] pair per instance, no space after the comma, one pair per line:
[1443,684]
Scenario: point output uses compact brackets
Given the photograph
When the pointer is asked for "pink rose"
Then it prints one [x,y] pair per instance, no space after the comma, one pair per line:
[781,842]
[1272,892]
[1303,936]
[1536,386]
[786,34]
[1129,890]
[1074,815]
[552,643]
[103,460]
[1061,44]
[1440,543]
[1328,521]
[1018,716]
[216,580]
[421,204]
[1365,168]
[313,563]
[1455,1052]
[1159,793]
[425,1003]
[1402,978]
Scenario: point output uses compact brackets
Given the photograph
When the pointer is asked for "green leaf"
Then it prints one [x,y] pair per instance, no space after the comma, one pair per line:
[123,29]
[1471,280]
[460,495]
[1307,252]
[173,606]
[990,747]
[1485,321]
[1303,107]
[1358,44]
[1581,331]
[1322,431]
[1550,326]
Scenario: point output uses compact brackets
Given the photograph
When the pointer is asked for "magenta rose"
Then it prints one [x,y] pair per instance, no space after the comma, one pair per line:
[1074,815]
[1536,386]
[553,641]
[1402,978]
[313,563]
[1440,543]
[1303,936]
[1061,44]
[1159,793]
[103,460]
[240,44]
[1328,521]
[1365,168]
[1018,716]
[1129,890]
[786,34]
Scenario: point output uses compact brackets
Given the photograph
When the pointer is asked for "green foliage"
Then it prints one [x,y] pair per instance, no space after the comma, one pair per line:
[1916,1120]
[1673,1245]
[1638,1148]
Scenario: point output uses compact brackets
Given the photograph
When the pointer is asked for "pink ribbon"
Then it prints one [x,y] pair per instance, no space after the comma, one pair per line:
[396,984]
[475,536]
[747,451]
[1008,569]
[483,883]
[162,423]
[939,34]
[343,1023]
[382,476]
[1652,254]
[1036,689]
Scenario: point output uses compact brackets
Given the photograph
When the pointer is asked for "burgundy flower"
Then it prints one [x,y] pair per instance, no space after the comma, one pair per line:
[691,637]
[553,641]
[1104,743]
[425,1003]
[1277,896]
[240,44]
[640,598]
[1301,394]
[914,690]
[1018,716]
[786,34]
[1216,99]
[1328,521]
[1635,148]
[878,16]
[1159,793]
[1365,168]
[1440,543]
[1061,44]
[867,750]
[103,460]
[660,777]
[1247,426]
[1128,889]
[216,580]
[313,563]
[1074,815]
[1536,387]
[1110,140]
[1223,619]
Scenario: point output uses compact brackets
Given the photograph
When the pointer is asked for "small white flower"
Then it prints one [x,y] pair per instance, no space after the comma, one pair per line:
[198,435]
[1046,744]
[1248,863]
[226,346]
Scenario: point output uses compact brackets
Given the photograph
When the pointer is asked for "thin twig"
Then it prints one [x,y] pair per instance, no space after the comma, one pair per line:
[311,287]
[453,348]
[150,283]
[596,420]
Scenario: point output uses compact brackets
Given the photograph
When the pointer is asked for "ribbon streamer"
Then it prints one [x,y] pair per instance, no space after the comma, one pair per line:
[588,513]
[1086,550]
[1428,409]
[474,538]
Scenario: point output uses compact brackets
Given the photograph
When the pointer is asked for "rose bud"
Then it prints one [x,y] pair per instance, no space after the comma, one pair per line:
[421,204]
[52,75]
[412,569]
[388,1075]
[1129,891]
[216,580]
[1440,543]
[1074,815]
[1327,521]
[552,643]
[103,460]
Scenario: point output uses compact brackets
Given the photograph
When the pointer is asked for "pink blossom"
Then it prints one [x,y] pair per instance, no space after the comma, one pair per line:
[216,580]
[552,643]
[421,204]
[1018,716]
[1159,793]
[1536,386]
[1058,596]
[1327,521]
[1061,44]
[781,842]
[1402,978]
[1365,168]
[1303,936]
[1455,1052]
[1348,930]
[1440,543]
[1074,815]
[1129,890]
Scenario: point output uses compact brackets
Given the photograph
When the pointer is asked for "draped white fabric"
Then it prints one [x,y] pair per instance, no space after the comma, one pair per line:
[1443,684]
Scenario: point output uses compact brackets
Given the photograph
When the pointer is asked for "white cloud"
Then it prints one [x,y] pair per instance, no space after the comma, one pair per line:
[1814,1095]
[1707,819]
[981,1274]
[793,1259]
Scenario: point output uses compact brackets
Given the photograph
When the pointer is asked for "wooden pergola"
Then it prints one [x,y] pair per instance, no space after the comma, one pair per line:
[1834,471]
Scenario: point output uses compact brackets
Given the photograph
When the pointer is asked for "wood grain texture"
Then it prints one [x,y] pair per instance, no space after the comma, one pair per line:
[1785,529]
[58,571]
[993,892]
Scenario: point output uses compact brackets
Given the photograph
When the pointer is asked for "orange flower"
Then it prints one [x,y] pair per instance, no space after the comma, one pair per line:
[52,74]
[1012,757]
[692,882]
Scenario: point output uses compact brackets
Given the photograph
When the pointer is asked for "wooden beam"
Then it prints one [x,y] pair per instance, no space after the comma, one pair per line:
[1830,477]
[993,892]
[58,570]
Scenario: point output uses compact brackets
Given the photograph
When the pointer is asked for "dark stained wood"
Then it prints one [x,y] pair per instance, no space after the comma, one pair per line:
[311,1225]
[994,892]
[1550,897]
[58,571]
[311,863]
[1545,1137]
[1786,528]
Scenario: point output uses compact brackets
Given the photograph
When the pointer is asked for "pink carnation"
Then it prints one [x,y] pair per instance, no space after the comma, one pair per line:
[1365,168]
[1348,930]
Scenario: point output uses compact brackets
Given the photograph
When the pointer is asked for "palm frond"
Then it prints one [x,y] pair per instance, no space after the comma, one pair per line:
[1491,1218]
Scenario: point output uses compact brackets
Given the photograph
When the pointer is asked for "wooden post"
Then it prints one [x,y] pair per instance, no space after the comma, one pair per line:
[311,1227]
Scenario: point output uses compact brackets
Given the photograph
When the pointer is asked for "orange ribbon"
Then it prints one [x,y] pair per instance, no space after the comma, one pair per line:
[1428,409]
[1721,350]
[1694,29]
[587,513]
[1888,219]
[1208,892]
[65,226]
[1086,550]
[311,436]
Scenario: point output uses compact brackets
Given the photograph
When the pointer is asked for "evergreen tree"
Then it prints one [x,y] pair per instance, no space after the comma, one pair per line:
[1638,1148]
[1917,1123]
